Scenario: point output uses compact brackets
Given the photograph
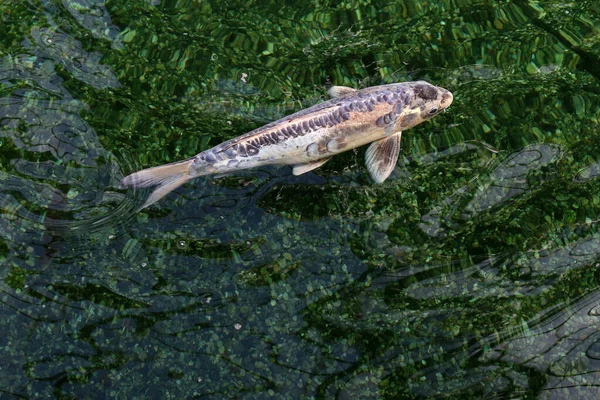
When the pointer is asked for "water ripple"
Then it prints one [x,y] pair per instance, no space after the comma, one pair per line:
[64,49]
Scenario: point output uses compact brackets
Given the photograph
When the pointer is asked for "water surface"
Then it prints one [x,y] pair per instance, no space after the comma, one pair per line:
[472,272]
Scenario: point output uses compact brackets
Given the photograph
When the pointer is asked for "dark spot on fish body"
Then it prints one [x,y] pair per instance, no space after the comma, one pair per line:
[334,119]
[398,108]
[312,125]
[232,163]
[331,120]
[274,137]
[445,97]
[408,120]
[209,156]
[322,147]
[242,151]
[369,106]
[341,115]
[297,130]
[426,92]
[251,150]
[230,152]
[385,119]
[292,131]
[335,144]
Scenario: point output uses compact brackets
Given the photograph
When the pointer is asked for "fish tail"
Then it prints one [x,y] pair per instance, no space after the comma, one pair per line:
[167,177]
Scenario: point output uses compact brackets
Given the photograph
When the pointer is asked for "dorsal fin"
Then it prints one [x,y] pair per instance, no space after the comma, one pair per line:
[339,91]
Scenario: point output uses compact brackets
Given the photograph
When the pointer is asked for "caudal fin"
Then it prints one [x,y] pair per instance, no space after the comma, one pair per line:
[167,177]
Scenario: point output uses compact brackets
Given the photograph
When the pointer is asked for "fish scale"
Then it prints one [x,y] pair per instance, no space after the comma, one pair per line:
[308,138]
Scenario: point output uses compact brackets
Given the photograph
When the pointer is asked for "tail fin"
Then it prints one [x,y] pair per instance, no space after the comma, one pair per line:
[168,178]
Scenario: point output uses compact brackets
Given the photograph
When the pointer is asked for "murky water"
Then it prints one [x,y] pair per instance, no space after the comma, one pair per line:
[472,272]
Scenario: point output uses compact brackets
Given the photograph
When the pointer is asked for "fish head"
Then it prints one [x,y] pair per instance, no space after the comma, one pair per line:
[423,101]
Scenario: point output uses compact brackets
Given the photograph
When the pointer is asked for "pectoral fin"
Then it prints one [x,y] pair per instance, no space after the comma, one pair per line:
[303,168]
[381,157]
[339,91]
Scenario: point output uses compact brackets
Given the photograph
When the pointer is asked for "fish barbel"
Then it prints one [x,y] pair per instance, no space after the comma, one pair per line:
[310,137]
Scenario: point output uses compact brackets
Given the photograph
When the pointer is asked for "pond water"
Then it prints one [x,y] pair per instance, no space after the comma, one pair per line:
[471,272]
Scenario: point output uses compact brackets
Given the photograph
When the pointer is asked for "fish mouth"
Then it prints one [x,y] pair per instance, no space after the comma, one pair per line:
[447,98]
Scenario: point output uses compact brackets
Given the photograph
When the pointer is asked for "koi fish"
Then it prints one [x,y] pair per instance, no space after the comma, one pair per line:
[308,138]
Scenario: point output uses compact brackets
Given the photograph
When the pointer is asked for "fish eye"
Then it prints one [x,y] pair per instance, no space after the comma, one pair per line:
[434,110]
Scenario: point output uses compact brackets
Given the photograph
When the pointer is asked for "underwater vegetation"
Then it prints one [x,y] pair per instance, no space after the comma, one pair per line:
[472,271]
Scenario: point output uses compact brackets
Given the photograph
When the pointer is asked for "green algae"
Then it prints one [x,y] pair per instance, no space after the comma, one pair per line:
[471,272]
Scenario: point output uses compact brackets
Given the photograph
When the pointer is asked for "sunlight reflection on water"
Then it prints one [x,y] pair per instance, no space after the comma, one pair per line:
[472,272]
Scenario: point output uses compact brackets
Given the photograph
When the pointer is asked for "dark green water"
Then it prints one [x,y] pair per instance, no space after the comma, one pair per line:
[471,273]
